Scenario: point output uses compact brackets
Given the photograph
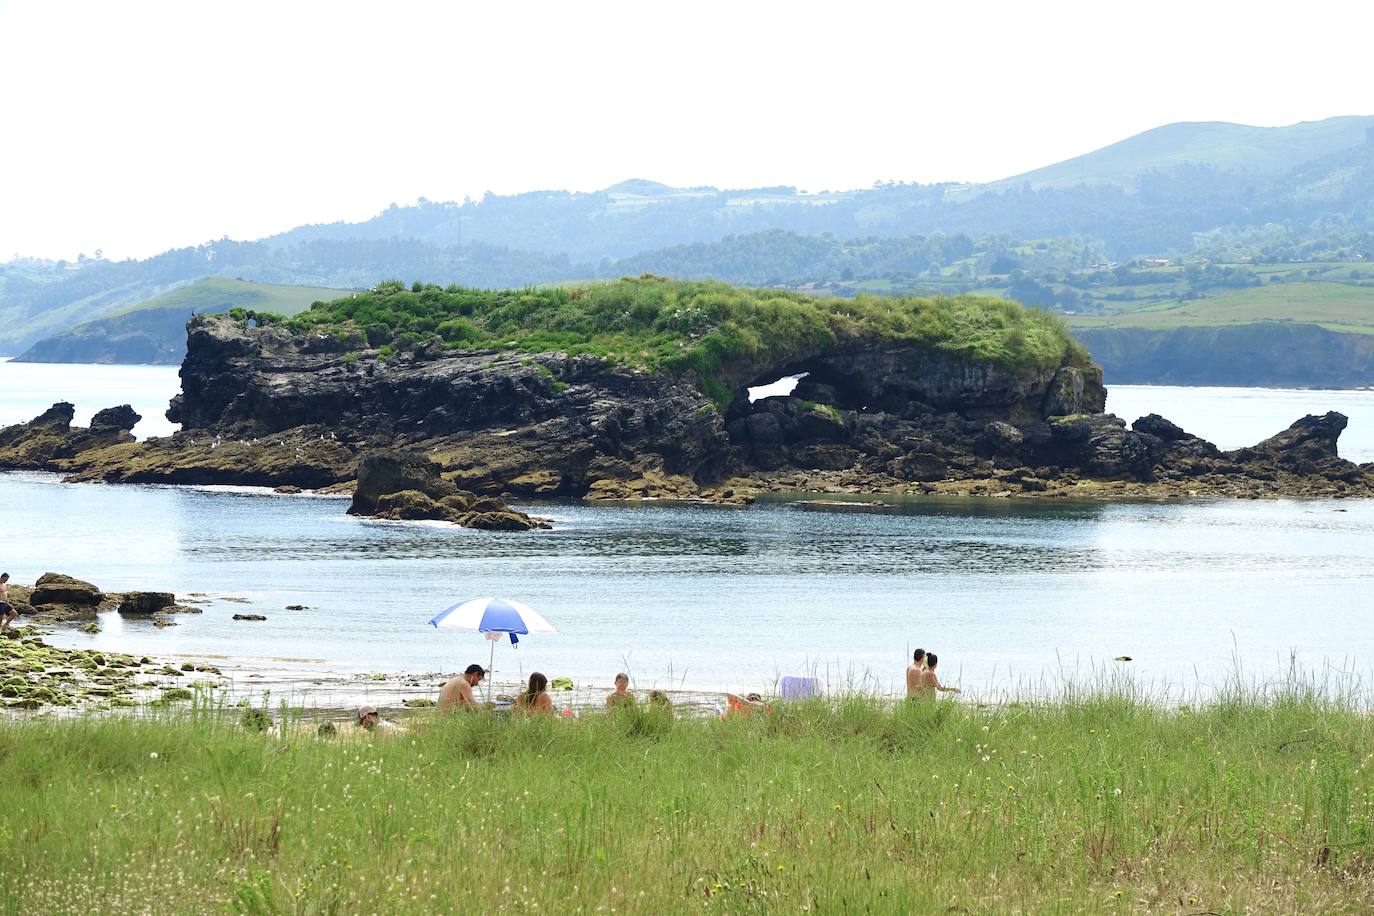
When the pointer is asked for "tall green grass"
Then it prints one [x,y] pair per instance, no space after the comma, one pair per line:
[727,335]
[1098,802]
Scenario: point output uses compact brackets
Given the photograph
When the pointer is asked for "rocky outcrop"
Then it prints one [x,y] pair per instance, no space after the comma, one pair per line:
[49,439]
[385,474]
[59,598]
[58,589]
[139,603]
[402,486]
[433,431]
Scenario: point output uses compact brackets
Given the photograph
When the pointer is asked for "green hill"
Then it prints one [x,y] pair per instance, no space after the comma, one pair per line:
[1317,334]
[1343,307]
[155,331]
[1261,151]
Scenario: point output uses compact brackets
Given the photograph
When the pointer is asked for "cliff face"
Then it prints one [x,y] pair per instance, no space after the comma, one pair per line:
[1271,354]
[263,406]
[553,423]
[544,423]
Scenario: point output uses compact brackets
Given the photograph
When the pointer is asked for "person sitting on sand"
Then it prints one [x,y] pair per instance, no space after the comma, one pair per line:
[370,721]
[659,703]
[535,699]
[457,693]
[743,705]
[930,682]
[915,672]
[8,614]
[621,695]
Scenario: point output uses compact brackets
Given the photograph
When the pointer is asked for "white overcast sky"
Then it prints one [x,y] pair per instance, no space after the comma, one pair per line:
[134,127]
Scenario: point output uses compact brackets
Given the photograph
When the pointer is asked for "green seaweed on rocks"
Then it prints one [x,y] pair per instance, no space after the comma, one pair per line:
[34,675]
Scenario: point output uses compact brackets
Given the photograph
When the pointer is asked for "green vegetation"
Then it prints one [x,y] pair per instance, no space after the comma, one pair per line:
[219,294]
[155,331]
[1336,306]
[1100,803]
[727,335]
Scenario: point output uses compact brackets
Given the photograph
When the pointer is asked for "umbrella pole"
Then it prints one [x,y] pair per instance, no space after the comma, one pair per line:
[490,661]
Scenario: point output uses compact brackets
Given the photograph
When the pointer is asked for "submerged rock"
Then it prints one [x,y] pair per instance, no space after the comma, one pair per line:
[508,520]
[137,603]
[424,495]
[408,505]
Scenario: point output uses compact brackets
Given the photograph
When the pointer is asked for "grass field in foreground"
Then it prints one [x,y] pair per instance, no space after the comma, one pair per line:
[1098,803]
[1335,306]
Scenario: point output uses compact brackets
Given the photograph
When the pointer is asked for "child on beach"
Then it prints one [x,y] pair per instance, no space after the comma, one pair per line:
[621,695]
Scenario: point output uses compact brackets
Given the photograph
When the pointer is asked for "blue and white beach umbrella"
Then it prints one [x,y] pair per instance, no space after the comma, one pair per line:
[494,616]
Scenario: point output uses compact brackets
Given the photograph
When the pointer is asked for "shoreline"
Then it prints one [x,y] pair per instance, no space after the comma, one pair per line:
[312,693]
[787,489]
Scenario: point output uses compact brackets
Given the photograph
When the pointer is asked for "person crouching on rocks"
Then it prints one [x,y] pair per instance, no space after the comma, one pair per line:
[370,721]
[8,614]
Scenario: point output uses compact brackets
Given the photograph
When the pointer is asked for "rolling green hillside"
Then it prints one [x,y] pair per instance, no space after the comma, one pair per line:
[1344,307]
[1313,334]
[155,331]
[1267,151]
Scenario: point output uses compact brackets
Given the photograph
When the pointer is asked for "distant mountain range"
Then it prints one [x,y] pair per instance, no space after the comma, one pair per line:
[1253,151]
[1159,193]
[154,332]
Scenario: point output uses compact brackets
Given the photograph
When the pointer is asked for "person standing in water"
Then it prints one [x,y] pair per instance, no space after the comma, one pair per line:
[915,672]
[8,614]
[930,682]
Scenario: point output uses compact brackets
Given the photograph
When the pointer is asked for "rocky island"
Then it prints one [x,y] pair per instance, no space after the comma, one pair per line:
[640,389]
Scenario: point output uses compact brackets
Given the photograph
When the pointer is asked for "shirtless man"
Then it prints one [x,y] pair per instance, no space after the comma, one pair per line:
[915,673]
[8,614]
[457,693]
[621,695]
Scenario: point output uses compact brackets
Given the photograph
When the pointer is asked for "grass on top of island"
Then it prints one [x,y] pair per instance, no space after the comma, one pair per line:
[727,334]
[1097,802]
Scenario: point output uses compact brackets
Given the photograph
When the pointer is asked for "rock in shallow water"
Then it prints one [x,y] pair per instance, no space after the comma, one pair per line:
[56,588]
[135,603]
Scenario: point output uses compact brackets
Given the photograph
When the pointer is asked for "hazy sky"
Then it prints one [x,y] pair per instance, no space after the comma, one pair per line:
[134,127]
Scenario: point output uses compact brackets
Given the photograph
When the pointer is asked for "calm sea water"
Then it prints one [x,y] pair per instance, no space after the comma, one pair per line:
[28,389]
[1009,593]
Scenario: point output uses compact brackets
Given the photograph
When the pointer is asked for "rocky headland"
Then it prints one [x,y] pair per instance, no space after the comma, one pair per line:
[451,430]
